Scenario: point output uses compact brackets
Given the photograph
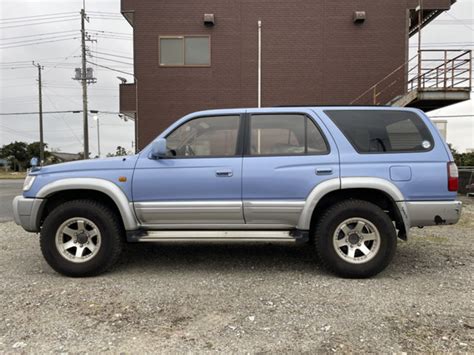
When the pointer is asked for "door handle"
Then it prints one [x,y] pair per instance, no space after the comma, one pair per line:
[324,171]
[224,173]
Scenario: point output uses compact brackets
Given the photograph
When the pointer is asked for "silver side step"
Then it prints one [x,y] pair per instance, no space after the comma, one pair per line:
[219,236]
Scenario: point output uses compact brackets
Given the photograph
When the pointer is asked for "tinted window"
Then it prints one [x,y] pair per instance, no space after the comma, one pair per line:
[206,136]
[372,131]
[316,143]
[285,135]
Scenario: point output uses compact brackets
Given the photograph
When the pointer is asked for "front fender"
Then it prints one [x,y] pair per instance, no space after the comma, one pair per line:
[101,185]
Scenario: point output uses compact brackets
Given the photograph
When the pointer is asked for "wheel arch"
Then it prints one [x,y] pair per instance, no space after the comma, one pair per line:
[376,190]
[87,188]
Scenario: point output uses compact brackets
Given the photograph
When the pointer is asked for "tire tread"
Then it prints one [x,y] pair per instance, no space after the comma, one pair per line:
[114,231]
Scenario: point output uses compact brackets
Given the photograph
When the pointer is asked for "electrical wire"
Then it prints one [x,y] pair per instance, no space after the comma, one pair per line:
[37,35]
[112,55]
[111,60]
[447,116]
[36,40]
[36,43]
[106,67]
[38,23]
[107,18]
[111,32]
[462,24]
[36,112]
[35,16]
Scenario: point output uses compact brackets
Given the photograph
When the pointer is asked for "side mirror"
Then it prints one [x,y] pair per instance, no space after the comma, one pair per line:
[159,149]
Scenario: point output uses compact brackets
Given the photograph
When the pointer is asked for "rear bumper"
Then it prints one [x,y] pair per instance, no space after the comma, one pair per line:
[26,212]
[431,213]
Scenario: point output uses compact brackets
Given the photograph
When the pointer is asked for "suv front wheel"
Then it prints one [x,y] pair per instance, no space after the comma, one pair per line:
[355,238]
[81,238]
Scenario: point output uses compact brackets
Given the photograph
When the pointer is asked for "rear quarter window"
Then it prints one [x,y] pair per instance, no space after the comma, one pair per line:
[383,131]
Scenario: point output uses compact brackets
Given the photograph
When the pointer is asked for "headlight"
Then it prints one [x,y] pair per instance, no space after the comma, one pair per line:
[28,182]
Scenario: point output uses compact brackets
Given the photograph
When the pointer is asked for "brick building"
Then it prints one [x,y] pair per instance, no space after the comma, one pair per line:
[195,55]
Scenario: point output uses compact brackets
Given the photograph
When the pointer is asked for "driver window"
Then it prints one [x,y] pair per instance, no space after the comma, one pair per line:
[206,136]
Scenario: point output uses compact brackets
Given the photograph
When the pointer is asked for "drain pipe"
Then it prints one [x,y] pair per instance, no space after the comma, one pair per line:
[259,79]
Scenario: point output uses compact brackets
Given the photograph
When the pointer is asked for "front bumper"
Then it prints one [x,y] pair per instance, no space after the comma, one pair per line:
[27,212]
[431,213]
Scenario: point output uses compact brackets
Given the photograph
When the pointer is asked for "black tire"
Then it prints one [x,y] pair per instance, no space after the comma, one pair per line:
[338,213]
[109,225]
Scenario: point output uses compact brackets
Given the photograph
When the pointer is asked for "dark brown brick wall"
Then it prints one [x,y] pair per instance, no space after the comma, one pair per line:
[128,98]
[312,53]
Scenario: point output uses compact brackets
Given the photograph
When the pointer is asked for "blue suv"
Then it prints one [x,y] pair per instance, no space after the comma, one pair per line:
[348,181]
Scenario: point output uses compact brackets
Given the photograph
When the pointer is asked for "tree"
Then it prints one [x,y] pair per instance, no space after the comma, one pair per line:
[34,150]
[17,155]
[462,159]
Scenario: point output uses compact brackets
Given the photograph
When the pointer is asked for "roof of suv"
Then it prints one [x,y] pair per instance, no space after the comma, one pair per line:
[302,108]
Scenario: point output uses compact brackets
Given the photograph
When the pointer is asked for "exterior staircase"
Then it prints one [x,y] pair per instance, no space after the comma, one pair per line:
[433,79]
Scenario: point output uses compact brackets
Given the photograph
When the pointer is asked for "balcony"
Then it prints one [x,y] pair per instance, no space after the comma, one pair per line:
[430,80]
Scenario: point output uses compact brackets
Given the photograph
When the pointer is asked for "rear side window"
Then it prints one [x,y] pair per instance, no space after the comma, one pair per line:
[285,134]
[378,131]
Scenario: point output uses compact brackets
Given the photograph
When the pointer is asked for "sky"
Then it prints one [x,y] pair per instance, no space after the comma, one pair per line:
[27,35]
[18,81]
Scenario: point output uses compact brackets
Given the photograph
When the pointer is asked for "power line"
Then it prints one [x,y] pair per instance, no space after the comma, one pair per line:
[98,17]
[111,60]
[463,24]
[106,67]
[29,61]
[29,17]
[65,122]
[105,12]
[111,55]
[33,40]
[37,35]
[111,32]
[113,37]
[54,112]
[37,112]
[38,23]
[447,116]
[36,43]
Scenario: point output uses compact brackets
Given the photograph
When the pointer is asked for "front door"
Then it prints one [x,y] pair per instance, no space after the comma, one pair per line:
[199,183]
[287,155]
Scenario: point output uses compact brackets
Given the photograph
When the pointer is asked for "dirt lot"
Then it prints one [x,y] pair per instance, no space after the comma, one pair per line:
[241,298]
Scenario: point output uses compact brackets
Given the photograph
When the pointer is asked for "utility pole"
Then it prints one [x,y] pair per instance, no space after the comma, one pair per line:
[40,112]
[84,85]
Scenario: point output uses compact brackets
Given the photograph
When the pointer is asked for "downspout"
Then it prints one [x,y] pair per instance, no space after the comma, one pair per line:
[259,72]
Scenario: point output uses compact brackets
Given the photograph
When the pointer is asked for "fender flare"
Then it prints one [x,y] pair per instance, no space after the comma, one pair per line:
[352,183]
[101,185]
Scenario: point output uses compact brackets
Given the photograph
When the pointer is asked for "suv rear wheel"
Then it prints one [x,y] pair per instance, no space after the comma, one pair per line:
[355,238]
[81,238]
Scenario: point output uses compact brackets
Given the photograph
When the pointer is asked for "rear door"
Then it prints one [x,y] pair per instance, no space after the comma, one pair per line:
[286,155]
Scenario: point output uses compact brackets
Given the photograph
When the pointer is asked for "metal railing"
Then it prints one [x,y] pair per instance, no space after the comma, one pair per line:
[430,69]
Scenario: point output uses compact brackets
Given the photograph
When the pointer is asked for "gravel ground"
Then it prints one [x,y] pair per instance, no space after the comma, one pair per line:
[241,298]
